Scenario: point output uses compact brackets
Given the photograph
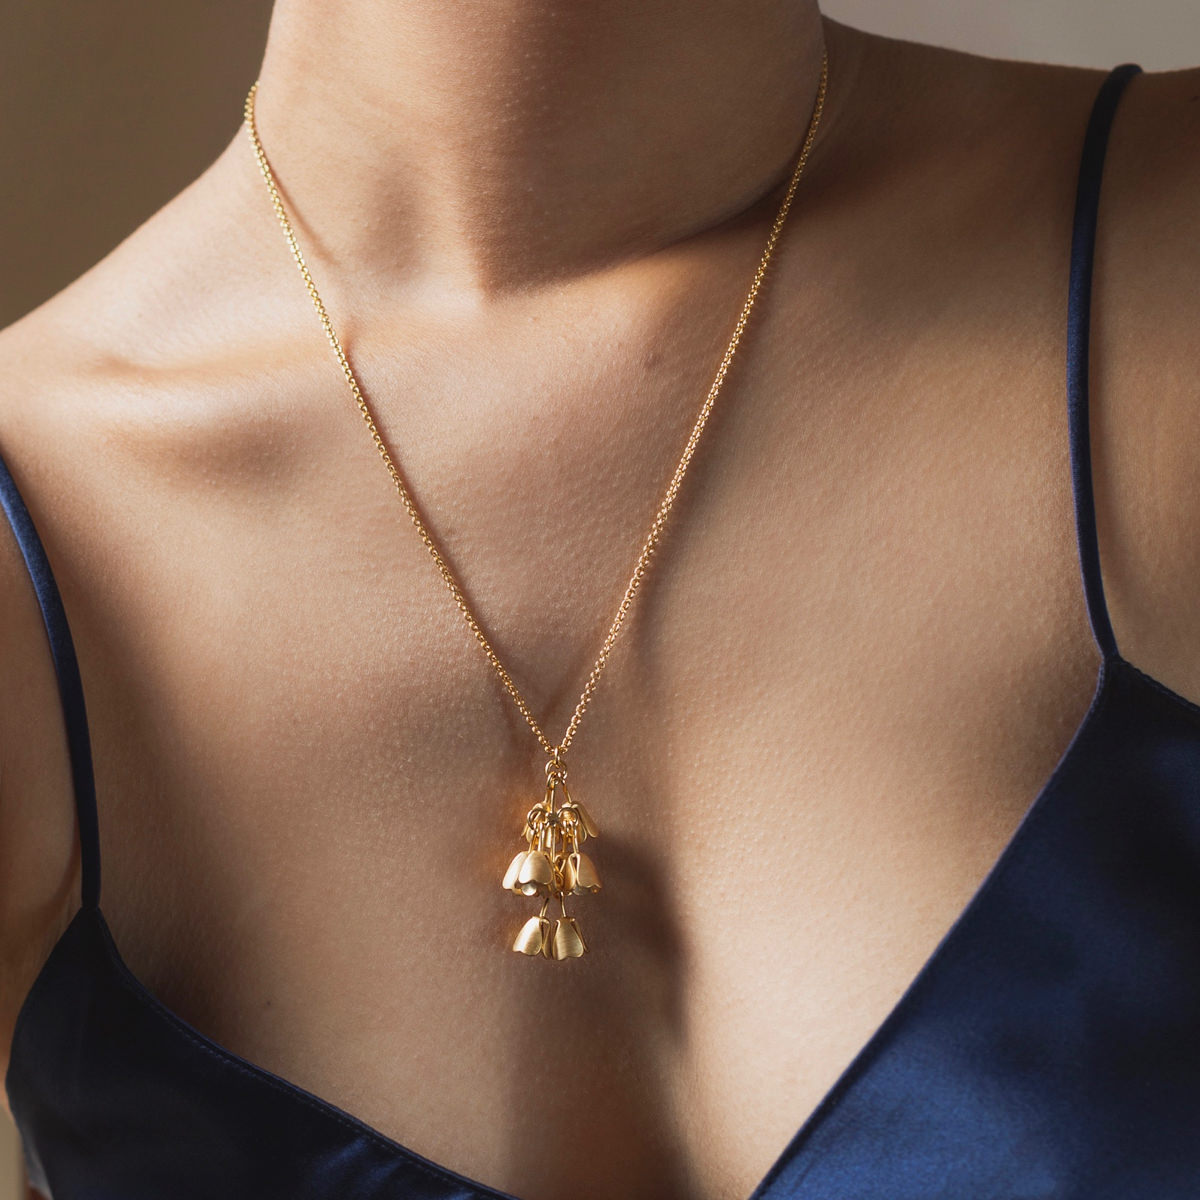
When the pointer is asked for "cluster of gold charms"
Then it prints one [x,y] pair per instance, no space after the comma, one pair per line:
[554,867]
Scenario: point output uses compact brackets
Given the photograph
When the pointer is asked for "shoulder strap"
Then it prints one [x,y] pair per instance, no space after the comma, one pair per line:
[1079,297]
[70,686]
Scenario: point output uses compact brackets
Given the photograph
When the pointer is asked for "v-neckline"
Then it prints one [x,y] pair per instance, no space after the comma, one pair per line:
[795,1147]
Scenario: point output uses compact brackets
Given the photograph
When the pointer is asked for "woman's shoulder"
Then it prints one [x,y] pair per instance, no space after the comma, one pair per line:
[150,373]
[1145,372]
[121,398]
[990,152]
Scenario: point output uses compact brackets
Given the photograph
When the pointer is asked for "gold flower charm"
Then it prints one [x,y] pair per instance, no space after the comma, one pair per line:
[579,875]
[553,866]
[534,937]
[568,941]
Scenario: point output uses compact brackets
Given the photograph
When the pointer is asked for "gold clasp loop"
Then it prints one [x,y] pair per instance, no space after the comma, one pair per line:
[556,769]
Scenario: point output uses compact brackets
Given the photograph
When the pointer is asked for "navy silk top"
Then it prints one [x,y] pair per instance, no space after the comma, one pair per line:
[1049,1047]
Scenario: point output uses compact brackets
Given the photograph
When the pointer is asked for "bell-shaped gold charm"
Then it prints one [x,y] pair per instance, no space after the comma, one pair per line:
[579,875]
[534,937]
[514,870]
[585,819]
[536,873]
[568,941]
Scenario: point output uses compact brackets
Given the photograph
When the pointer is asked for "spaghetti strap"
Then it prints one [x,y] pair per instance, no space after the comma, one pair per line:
[1083,243]
[70,686]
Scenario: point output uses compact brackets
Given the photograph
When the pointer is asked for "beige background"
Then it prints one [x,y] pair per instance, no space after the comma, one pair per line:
[108,109]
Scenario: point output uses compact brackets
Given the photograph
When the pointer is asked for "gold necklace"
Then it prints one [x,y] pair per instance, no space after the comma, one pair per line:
[552,865]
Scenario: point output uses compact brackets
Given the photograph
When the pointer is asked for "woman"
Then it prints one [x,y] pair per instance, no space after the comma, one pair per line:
[859,654]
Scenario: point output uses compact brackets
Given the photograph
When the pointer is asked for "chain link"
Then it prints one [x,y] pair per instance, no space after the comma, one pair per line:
[555,752]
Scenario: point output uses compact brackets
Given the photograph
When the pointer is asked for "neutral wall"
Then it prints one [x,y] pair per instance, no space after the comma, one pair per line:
[107,110]
[1162,35]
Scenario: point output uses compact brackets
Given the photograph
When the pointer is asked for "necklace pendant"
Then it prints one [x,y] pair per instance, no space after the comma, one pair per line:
[553,866]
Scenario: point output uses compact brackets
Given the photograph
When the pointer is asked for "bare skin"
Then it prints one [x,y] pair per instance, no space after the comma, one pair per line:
[858,657]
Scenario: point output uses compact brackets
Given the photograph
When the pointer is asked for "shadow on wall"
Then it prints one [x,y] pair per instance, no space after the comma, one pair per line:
[108,111]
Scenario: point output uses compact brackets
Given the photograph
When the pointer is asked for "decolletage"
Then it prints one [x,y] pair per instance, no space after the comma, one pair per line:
[1047,1048]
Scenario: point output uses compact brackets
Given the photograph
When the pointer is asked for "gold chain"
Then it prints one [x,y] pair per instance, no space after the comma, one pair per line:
[555,752]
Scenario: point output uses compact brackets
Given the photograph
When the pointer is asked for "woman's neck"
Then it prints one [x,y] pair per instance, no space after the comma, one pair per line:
[483,146]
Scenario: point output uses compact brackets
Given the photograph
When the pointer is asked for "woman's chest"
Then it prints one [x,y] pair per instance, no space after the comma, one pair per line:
[816,736]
